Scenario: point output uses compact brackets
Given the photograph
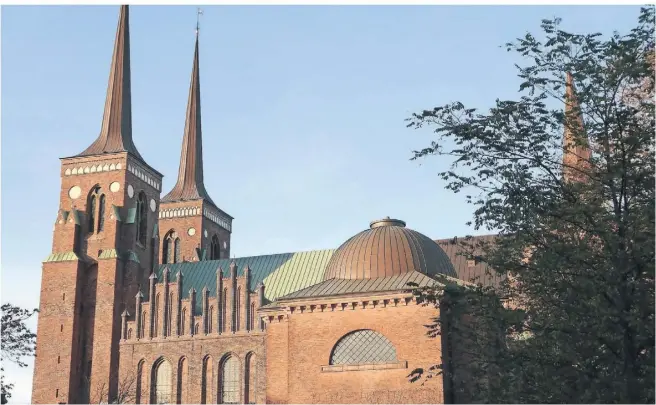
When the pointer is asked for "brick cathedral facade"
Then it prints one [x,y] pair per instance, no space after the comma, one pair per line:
[140,301]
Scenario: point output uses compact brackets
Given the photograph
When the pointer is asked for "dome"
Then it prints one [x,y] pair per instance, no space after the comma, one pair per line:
[387,249]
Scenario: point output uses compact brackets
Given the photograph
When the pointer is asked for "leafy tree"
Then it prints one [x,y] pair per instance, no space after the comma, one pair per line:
[17,341]
[575,222]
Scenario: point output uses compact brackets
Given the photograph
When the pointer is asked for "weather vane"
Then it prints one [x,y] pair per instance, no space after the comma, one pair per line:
[199,12]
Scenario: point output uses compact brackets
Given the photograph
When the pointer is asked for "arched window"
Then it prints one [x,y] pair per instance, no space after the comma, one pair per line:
[168,255]
[92,203]
[142,334]
[130,333]
[183,322]
[206,380]
[196,328]
[237,312]
[230,381]
[101,213]
[156,316]
[363,346]
[251,325]
[250,379]
[215,248]
[176,255]
[183,377]
[224,310]
[142,218]
[140,382]
[210,316]
[162,382]
[169,315]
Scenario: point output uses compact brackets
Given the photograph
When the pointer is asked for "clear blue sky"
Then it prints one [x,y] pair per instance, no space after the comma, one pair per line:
[303,113]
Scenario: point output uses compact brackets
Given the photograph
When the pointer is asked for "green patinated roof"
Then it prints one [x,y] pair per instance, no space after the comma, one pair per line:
[281,273]
[113,253]
[61,257]
[337,286]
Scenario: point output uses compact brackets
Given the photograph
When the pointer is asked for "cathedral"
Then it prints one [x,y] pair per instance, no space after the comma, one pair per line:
[141,302]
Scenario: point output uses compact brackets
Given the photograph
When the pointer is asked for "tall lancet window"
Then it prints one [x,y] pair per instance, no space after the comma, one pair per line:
[170,249]
[215,252]
[176,254]
[101,213]
[92,205]
[142,218]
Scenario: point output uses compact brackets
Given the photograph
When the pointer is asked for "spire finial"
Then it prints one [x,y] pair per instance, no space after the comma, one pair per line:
[199,12]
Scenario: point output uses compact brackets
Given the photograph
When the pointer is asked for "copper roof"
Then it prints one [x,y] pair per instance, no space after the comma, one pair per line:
[190,184]
[387,249]
[116,131]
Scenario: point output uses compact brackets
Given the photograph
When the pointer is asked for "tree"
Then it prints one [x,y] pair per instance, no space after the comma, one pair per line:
[17,341]
[575,222]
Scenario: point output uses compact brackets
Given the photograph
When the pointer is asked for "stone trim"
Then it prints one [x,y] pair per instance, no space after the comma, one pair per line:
[179,212]
[105,166]
[362,367]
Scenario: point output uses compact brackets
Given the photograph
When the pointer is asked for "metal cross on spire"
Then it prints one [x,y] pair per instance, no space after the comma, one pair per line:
[199,12]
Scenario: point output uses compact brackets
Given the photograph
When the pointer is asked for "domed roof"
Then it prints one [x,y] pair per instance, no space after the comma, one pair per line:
[387,249]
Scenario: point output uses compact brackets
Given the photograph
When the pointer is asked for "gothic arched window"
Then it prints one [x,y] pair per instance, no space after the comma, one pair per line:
[101,213]
[176,254]
[162,382]
[215,248]
[167,249]
[363,346]
[142,333]
[206,380]
[140,381]
[183,375]
[92,203]
[142,218]
[250,378]
[230,381]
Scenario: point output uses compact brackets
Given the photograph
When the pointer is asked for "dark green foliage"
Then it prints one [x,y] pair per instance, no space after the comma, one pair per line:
[17,340]
[580,253]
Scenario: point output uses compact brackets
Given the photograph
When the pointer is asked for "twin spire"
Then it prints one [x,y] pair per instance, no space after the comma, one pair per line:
[116,131]
[190,185]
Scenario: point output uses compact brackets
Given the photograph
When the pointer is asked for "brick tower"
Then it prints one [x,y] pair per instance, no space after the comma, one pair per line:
[192,227]
[576,148]
[104,247]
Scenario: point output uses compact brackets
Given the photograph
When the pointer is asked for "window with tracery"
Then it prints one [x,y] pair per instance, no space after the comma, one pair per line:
[162,384]
[95,213]
[230,381]
[168,249]
[363,346]
[176,254]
